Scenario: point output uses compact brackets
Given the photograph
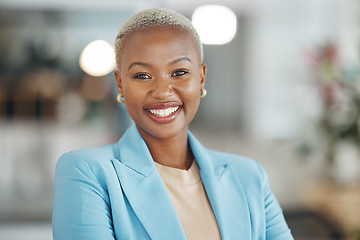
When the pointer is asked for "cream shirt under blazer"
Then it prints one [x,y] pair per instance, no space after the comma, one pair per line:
[115,192]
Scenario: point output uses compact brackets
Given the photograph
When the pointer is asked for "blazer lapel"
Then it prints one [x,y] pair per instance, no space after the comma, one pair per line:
[225,193]
[144,188]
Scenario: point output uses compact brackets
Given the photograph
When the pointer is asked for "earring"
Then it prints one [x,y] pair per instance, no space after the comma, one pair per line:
[203,92]
[120,98]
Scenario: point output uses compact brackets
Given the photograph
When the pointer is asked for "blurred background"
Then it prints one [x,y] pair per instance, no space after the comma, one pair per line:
[284,90]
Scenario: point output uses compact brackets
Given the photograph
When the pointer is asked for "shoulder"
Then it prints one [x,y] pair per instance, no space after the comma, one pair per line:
[239,162]
[218,159]
[89,160]
[247,169]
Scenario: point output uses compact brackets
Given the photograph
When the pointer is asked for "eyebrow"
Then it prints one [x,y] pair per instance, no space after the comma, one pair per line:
[171,63]
[184,58]
[138,63]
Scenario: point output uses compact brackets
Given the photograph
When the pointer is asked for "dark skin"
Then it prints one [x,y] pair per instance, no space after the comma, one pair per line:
[160,76]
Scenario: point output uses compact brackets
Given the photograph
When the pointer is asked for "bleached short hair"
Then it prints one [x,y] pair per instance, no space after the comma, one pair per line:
[156,17]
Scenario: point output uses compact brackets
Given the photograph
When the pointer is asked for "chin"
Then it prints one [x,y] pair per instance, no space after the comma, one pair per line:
[163,131]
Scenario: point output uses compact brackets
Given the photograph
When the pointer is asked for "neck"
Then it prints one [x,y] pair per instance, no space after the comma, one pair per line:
[172,152]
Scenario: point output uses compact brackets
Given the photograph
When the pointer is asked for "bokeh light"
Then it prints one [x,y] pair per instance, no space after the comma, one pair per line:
[98,58]
[215,24]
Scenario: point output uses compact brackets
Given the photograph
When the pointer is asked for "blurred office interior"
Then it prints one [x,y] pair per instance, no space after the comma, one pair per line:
[284,91]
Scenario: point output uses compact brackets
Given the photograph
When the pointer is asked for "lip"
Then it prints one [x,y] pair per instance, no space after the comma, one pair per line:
[167,119]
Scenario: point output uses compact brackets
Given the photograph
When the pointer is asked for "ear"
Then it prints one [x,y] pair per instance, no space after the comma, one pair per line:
[203,71]
[118,81]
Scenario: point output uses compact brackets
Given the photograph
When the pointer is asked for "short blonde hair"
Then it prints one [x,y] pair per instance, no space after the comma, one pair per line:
[156,17]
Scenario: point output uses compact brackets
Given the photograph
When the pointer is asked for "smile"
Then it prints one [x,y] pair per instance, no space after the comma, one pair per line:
[164,112]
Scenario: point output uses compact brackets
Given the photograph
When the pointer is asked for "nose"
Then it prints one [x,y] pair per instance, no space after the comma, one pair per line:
[162,88]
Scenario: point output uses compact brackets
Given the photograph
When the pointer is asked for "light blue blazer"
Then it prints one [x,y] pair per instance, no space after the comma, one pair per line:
[115,192]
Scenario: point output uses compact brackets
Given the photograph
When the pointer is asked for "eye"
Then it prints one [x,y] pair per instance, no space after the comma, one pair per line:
[142,76]
[179,73]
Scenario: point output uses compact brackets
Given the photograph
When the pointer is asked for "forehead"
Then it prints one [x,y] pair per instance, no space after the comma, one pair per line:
[159,41]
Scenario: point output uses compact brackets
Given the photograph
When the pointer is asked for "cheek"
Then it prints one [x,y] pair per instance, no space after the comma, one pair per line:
[192,90]
[134,98]
[132,91]
[191,97]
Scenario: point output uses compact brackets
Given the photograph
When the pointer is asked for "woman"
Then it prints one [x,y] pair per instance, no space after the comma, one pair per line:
[158,181]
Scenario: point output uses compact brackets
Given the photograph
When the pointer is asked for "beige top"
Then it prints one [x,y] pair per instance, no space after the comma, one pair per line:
[191,203]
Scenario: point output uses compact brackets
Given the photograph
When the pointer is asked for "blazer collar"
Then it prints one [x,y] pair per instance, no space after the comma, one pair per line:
[144,188]
[140,180]
[134,152]
[225,192]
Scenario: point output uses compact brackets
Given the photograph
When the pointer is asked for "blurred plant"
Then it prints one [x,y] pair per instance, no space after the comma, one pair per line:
[356,234]
[340,94]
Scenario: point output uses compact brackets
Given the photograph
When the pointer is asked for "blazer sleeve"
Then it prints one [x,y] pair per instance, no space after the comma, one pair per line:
[276,226]
[81,207]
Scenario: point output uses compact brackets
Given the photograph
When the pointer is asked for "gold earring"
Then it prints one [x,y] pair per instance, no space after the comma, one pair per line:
[120,98]
[203,93]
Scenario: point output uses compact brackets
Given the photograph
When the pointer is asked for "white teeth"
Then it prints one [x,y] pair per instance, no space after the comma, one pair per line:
[163,112]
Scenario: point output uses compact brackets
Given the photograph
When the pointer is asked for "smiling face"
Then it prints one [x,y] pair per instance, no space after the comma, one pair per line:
[160,76]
